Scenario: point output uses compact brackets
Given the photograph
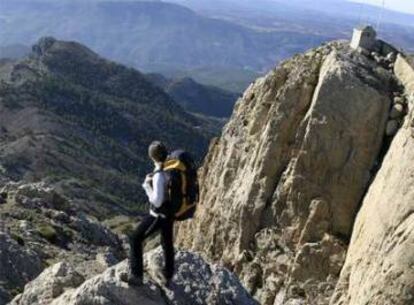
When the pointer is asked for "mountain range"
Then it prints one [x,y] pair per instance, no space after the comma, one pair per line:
[83,123]
[332,18]
[195,97]
[223,43]
[152,36]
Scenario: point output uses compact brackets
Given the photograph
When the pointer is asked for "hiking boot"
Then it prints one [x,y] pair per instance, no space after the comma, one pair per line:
[132,279]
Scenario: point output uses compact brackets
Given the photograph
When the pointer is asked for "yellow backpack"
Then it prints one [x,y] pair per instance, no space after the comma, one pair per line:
[183,188]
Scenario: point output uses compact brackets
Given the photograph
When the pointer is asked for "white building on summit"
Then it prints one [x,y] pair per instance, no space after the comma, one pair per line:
[364,37]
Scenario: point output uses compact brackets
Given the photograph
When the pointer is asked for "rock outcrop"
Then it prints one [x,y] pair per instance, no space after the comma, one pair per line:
[282,185]
[379,267]
[195,282]
[39,227]
[18,265]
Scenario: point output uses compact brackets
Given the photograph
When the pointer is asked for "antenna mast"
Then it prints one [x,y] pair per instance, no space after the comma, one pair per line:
[381,14]
[360,13]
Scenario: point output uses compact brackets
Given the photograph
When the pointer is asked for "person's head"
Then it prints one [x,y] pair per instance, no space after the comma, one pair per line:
[157,151]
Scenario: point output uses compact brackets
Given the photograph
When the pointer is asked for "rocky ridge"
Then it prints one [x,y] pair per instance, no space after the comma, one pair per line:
[39,227]
[379,265]
[52,253]
[81,123]
[195,282]
[282,185]
[195,97]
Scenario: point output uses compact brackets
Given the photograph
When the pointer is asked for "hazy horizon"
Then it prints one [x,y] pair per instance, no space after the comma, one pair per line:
[404,6]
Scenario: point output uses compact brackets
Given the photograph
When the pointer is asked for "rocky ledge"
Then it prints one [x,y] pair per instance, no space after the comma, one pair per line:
[195,282]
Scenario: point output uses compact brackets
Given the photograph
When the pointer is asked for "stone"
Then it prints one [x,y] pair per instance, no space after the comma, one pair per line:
[392,128]
[379,264]
[93,231]
[198,282]
[391,57]
[397,111]
[195,282]
[106,259]
[49,285]
[379,59]
[315,129]
[26,226]
[404,70]
[18,265]
[399,100]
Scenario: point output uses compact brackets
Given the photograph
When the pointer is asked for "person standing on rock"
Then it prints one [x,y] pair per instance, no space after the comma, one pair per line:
[173,193]
[155,186]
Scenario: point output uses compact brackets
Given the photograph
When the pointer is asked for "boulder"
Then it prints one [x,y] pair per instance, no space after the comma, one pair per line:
[49,285]
[391,57]
[392,128]
[93,231]
[404,70]
[106,259]
[399,100]
[397,111]
[63,288]
[18,265]
[198,282]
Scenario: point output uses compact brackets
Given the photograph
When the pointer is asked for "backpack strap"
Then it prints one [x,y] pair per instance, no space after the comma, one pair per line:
[159,170]
[174,164]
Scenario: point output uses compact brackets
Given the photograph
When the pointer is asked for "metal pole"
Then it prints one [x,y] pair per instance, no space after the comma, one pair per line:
[360,14]
[380,16]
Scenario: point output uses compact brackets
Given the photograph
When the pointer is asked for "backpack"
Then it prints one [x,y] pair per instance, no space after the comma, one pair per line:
[182,185]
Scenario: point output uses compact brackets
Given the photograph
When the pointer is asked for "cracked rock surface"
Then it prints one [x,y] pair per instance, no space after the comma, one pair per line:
[282,185]
[195,282]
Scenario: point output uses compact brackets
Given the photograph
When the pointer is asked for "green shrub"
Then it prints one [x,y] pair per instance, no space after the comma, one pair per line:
[48,232]
[126,229]
[18,238]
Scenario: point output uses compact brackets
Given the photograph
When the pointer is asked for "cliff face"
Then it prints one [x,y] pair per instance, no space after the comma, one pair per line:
[282,185]
[380,260]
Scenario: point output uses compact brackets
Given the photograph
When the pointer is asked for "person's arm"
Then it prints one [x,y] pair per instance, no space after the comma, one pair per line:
[156,193]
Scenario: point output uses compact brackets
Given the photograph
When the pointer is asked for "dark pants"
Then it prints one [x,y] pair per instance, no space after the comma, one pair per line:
[148,226]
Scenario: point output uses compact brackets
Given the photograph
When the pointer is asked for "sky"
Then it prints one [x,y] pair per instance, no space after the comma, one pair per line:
[406,6]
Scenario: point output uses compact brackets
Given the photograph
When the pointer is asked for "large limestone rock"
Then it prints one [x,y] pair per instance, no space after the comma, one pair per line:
[42,228]
[58,285]
[379,268]
[49,285]
[195,282]
[282,185]
[404,71]
[18,265]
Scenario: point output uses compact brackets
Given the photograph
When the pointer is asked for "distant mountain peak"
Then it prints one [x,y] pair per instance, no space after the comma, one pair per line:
[43,45]
[50,46]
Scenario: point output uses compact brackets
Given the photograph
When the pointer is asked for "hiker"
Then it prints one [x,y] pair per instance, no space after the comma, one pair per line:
[172,190]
